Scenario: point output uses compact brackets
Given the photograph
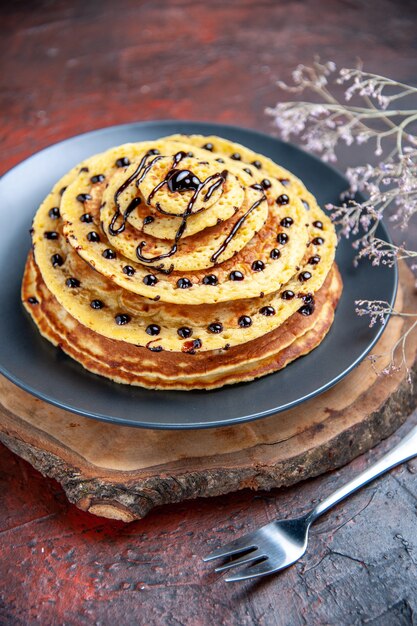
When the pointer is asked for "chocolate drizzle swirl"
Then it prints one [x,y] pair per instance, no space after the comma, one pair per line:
[210,191]
[193,184]
[132,205]
[237,225]
[139,174]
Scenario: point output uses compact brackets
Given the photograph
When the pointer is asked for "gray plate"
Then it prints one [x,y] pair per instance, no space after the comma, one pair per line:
[35,365]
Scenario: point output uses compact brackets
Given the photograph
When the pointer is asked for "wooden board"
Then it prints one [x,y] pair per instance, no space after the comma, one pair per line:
[122,473]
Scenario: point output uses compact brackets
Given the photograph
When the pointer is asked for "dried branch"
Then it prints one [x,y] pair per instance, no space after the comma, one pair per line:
[370,112]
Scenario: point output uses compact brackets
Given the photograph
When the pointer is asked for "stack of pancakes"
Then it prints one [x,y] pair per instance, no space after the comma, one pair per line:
[187,262]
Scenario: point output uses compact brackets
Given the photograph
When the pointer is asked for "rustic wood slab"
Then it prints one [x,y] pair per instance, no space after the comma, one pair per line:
[122,472]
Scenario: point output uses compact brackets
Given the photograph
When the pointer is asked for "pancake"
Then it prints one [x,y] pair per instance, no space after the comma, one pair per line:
[279,260]
[265,313]
[136,366]
[187,261]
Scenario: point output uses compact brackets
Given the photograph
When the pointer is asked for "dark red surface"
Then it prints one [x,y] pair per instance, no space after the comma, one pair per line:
[69,67]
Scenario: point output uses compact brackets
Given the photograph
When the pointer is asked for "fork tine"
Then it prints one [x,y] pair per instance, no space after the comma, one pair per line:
[246,558]
[256,570]
[246,542]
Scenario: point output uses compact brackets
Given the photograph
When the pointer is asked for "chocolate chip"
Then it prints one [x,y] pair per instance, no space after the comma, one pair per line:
[282,238]
[307,298]
[304,276]
[33,300]
[236,156]
[54,213]
[266,183]
[306,204]
[153,329]
[208,146]
[51,234]
[190,346]
[93,237]
[184,332]
[98,178]
[258,266]
[275,253]
[286,222]
[108,253]
[128,270]
[282,199]
[307,309]
[318,224]
[314,260]
[154,348]
[184,283]
[83,197]
[87,218]
[57,260]
[236,275]
[122,319]
[150,280]
[122,162]
[257,164]
[210,279]
[148,220]
[72,282]
[267,310]
[96,304]
[287,294]
[318,241]
[245,321]
[215,327]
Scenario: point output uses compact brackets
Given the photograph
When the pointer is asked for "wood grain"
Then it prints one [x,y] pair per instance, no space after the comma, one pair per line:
[69,67]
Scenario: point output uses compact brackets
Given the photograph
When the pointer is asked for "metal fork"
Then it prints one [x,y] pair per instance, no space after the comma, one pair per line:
[282,542]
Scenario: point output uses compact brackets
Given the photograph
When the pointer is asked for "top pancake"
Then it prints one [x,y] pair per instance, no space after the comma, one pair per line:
[148,220]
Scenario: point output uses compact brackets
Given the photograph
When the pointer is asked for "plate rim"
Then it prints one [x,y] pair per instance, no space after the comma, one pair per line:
[120,421]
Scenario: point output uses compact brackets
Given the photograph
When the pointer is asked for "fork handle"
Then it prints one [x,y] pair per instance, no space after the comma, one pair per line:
[405,450]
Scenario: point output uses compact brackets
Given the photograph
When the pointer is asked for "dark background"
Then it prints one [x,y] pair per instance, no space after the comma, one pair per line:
[70,67]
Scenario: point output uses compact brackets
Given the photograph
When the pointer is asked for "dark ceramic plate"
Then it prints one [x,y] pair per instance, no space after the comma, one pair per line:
[35,365]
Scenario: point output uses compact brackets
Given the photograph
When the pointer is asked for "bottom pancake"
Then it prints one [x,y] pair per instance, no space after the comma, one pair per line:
[125,363]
